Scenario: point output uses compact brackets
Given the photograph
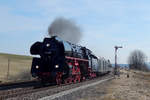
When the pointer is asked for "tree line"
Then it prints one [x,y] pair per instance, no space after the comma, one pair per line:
[137,60]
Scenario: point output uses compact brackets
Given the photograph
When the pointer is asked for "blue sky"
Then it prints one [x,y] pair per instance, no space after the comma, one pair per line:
[104,23]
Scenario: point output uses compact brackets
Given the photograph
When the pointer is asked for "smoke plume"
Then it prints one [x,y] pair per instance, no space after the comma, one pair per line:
[65,29]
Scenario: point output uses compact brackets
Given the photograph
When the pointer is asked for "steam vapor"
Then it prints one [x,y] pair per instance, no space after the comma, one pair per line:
[65,29]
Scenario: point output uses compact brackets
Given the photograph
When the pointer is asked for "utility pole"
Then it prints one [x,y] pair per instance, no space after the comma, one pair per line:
[116,68]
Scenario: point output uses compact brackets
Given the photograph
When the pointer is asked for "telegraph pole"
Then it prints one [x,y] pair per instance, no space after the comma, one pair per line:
[116,68]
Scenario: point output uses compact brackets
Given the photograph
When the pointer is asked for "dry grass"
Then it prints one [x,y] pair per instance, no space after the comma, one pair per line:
[109,98]
[18,66]
[136,87]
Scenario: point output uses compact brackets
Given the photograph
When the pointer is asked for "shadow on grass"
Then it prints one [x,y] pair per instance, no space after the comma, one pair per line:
[22,76]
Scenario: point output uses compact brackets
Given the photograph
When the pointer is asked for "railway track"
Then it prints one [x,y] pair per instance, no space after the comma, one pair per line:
[15,90]
[13,85]
[10,90]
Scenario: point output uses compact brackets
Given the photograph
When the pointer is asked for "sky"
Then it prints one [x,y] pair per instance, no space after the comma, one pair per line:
[104,24]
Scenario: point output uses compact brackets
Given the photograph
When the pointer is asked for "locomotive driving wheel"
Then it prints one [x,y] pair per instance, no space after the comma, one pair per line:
[58,78]
[68,80]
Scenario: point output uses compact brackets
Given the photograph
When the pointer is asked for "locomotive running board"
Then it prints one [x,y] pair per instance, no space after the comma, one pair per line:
[72,58]
[58,95]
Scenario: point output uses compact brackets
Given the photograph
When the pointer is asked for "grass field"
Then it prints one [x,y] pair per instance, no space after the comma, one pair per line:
[19,67]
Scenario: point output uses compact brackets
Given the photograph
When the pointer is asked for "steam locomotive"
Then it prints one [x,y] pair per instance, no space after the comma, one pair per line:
[60,61]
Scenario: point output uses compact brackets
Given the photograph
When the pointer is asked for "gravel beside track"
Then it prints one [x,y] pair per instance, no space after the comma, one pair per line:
[61,95]
[34,94]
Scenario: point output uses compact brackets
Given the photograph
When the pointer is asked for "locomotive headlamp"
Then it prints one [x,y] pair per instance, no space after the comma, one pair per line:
[48,45]
[37,67]
[56,66]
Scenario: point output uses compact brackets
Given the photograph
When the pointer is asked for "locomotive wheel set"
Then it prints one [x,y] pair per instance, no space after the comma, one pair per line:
[63,62]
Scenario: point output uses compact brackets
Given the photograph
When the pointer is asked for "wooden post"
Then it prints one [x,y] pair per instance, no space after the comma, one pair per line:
[8,68]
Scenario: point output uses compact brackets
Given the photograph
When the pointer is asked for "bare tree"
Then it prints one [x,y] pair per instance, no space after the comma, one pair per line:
[137,60]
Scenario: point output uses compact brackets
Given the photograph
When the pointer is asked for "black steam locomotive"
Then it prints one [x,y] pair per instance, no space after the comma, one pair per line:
[62,62]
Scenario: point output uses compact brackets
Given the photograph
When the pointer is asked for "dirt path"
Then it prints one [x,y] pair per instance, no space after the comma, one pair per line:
[136,87]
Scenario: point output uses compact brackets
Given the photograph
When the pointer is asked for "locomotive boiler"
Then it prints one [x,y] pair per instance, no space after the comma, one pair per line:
[60,61]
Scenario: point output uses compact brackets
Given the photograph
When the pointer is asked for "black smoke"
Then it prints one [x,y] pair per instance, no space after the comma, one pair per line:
[65,29]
